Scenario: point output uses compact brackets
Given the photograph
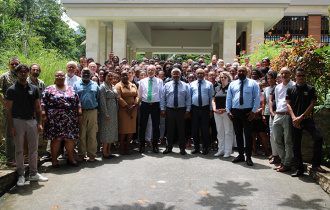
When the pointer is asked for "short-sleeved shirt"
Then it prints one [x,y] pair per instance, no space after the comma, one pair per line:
[280,96]
[301,97]
[40,85]
[220,95]
[23,100]
[6,80]
[88,93]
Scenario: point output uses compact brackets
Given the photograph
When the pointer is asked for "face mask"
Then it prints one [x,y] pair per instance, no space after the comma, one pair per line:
[241,76]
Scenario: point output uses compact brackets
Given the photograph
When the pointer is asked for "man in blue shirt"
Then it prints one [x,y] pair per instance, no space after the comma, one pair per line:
[176,100]
[243,100]
[88,92]
[201,92]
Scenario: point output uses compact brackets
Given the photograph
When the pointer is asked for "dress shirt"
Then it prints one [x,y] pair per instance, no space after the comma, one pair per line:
[251,95]
[280,94]
[71,80]
[184,98]
[207,93]
[88,94]
[157,88]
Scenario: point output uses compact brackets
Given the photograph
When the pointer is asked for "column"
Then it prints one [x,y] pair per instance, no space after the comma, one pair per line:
[148,55]
[132,55]
[248,39]
[229,40]
[220,42]
[314,27]
[119,38]
[92,39]
[257,31]
[103,44]
[128,55]
[215,50]
[109,41]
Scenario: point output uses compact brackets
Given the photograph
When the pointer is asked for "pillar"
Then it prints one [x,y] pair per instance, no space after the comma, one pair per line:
[92,39]
[229,40]
[314,27]
[119,38]
[128,54]
[132,55]
[103,44]
[248,39]
[148,55]
[257,31]
[215,50]
[220,42]
[109,41]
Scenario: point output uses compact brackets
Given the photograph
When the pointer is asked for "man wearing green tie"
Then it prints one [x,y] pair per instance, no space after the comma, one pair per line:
[150,91]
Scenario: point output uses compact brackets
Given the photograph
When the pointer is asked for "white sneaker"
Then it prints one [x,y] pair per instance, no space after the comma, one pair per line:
[38,178]
[21,181]
[218,154]
[226,156]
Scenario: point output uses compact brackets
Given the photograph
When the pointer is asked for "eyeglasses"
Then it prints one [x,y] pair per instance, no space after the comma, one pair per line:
[303,75]
[60,76]
[23,72]
[12,64]
[71,67]
[223,77]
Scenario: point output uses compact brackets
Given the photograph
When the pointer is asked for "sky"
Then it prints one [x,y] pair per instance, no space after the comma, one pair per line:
[68,20]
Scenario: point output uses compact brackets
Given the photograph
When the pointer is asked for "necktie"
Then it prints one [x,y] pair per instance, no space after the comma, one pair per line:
[241,94]
[200,93]
[149,90]
[176,95]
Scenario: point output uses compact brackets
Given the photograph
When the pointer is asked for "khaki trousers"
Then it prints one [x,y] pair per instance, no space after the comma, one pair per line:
[88,128]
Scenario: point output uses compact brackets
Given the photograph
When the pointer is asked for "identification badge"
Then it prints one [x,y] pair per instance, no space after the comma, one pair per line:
[30,92]
[305,93]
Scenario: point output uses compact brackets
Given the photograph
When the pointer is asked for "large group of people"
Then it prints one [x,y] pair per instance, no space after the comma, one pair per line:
[101,108]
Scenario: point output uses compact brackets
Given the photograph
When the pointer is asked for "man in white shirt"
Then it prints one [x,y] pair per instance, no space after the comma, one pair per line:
[70,77]
[150,91]
[281,126]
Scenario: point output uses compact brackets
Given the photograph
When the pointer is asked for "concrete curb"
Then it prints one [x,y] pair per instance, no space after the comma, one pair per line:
[323,179]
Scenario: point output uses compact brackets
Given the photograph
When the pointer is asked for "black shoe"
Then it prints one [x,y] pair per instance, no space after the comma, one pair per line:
[195,151]
[155,149]
[249,161]
[238,159]
[167,150]
[183,152]
[69,163]
[56,166]
[141,150]
[318,169]
[205,151]
[47,156]
[299,172]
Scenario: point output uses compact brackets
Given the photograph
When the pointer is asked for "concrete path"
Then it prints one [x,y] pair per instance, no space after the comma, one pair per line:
[157,181]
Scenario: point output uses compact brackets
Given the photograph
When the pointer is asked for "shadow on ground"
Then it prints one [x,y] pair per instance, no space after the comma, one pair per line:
[296,202]
[228,193]
[145,206]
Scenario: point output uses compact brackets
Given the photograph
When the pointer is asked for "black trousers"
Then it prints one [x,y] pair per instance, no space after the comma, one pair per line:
[154,110]
[188,128]
[175,127]
[213,128]
[310,127]
[200,118]
[242,124]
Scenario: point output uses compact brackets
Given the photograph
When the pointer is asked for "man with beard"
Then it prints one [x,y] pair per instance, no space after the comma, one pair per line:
[88,92]
[243,101]
[6,80]
[35,71]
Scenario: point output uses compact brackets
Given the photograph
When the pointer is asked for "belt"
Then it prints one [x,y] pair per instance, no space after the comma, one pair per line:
[178,108]
[282,113]
[88,109]
[24,118]
[201,107]
[150,103]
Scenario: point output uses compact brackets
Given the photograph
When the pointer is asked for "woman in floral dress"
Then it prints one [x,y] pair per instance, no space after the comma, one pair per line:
[61,112]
